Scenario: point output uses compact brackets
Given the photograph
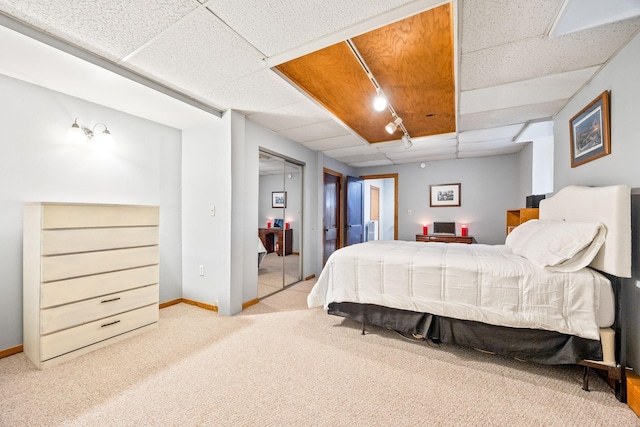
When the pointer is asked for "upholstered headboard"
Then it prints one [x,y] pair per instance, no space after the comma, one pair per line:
[609,205]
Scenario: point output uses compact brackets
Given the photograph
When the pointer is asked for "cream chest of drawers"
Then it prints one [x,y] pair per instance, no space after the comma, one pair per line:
[90,277]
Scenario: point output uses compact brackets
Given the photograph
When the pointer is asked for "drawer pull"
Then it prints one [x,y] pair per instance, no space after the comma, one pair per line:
[109,324]
[110,300]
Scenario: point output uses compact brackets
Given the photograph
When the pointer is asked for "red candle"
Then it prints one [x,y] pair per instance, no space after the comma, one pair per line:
[268,224]
[464,230]
[286,224]
[425,230]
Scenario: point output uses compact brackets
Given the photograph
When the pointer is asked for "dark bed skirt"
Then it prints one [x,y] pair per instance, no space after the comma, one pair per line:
[535,345]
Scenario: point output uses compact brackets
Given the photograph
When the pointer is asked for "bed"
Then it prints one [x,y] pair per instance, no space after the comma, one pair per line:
[547,296]
[262,251]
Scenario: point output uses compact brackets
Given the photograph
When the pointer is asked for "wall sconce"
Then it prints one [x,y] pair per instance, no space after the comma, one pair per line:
[78,134]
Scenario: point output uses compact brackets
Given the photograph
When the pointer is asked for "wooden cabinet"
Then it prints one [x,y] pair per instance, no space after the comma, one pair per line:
[284,236]
[444,238]
[515,217]
[90,277]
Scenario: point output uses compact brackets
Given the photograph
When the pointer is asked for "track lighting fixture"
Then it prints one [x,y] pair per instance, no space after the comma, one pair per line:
[78,134]
[406,141]
[380,101]
[391,127]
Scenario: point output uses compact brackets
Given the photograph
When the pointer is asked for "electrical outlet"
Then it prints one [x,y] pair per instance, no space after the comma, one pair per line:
[201,270]
[409,212]
[212,210]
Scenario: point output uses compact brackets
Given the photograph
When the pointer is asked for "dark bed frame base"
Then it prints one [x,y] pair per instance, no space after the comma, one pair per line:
[535,345]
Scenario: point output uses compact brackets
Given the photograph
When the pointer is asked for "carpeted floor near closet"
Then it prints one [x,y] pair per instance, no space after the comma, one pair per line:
[281,364]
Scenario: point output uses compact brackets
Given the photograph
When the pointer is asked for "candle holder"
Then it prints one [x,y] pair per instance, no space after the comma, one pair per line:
[268,224]
[464,230]
[286,225]
[425,230]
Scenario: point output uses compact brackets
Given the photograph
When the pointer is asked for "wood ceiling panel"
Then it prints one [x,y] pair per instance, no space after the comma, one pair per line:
[334,78]
[411,59]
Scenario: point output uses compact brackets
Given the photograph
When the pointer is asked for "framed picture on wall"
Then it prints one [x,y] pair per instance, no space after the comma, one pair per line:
[444,195]
[589,131]
[278,199]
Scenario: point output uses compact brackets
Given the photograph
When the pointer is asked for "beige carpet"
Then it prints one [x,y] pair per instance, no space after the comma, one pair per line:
[280,364]
[270,273]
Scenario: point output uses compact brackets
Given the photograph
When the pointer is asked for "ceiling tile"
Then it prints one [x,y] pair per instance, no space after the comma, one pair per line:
[495,23]
[418,144]
[487,145]
[413,154]
[289,116]
[274,26]
[490,134]
[364,149]
[198,54]
[359,157]
[509,116]
[261,91]
[540,56]
[427,158]
[526,92]
[110,28]
[486,153]
[23,58]
[371,163]
[334,142]
[315,131]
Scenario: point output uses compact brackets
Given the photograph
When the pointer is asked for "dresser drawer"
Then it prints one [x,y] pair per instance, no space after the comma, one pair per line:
[81,288]
[78,313]
[68,340]
[68,266]
[96,239]
[92,216]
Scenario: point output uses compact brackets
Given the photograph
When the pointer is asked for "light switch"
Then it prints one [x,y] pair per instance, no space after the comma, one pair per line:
[409,212]
[212,210]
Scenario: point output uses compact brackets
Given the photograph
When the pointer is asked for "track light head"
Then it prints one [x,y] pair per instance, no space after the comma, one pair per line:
[391,127]
[407,141]
[380,101]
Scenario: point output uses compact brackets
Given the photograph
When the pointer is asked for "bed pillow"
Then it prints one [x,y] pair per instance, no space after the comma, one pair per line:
[517,238]
[563,246]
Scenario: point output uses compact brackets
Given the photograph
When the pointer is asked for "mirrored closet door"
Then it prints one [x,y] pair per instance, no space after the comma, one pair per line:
[279,223]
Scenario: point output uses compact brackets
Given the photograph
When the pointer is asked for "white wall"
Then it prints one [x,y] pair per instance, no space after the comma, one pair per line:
[525,175]
[542,166]
[620,76]
[37,164]
[488,188]
[206,183]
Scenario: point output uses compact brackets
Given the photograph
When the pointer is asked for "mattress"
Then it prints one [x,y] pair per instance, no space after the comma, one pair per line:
[483,283]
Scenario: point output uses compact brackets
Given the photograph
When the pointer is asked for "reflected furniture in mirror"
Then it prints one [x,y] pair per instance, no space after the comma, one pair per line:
[269,237]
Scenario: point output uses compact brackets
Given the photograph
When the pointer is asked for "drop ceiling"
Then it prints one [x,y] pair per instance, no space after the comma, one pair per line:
[507,70]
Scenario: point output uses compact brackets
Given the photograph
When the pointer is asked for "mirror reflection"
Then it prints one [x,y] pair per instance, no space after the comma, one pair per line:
[279,224]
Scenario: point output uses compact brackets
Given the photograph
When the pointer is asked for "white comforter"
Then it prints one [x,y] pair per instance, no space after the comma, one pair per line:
[483,283]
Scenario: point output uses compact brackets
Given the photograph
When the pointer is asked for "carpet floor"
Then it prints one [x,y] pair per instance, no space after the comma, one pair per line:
[282,364]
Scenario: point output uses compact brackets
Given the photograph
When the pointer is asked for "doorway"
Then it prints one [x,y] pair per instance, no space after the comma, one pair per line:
[381,207]
[331,213]
[279,221]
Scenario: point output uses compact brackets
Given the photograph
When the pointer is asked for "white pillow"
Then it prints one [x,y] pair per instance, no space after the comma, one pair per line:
[521,234]
[564,246]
